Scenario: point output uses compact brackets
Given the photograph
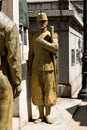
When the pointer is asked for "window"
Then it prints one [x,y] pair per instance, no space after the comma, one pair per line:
[72,57]
[77,56]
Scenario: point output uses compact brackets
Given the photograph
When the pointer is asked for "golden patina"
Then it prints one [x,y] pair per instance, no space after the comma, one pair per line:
[43,47]
[10,70]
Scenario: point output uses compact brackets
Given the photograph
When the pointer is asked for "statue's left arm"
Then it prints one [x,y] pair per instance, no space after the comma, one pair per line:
[14,58]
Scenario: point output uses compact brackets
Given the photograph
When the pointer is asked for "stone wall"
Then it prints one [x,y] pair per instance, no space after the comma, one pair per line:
[8,8]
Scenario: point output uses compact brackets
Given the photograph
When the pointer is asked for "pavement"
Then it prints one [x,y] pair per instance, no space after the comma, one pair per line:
[79,120]
[68,114]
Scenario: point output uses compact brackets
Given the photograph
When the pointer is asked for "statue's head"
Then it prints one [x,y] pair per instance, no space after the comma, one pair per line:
[42,20]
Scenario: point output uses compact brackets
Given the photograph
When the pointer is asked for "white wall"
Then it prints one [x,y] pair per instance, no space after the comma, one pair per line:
[74,70]
[16,12]
[23,112]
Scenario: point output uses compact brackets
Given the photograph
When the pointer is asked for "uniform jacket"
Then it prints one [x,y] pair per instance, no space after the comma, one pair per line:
[41,51]
[9,50]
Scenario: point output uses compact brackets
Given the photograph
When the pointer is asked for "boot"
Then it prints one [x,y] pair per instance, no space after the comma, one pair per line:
[48,118]
[41,114]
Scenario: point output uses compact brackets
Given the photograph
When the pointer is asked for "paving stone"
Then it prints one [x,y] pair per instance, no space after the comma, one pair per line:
[61,113]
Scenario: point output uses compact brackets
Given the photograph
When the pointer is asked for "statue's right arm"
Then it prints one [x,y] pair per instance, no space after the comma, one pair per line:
[52,47]
[49,46]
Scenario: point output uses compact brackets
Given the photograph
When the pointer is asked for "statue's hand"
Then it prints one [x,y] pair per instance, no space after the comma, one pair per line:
[55,36]
[17,90]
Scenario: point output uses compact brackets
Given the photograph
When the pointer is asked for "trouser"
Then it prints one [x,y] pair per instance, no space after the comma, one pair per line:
[43,88]
[6,103]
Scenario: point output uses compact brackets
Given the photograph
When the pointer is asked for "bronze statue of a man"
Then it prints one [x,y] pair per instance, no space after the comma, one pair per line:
[10,69]
[41,66]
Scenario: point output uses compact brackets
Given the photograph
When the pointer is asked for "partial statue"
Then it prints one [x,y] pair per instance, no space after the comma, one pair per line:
[10,69]
[43,46]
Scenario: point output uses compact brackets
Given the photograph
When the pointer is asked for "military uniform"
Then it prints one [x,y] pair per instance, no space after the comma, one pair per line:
[43,47]
[42,68]
[10,69]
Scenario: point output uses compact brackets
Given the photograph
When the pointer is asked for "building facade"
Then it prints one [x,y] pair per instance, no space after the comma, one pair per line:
[67,21]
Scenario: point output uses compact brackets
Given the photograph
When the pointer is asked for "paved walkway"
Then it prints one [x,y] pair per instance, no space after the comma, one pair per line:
[68,114]
[79,121]
[62,114]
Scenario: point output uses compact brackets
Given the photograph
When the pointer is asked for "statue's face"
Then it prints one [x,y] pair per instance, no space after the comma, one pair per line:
[42,24]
